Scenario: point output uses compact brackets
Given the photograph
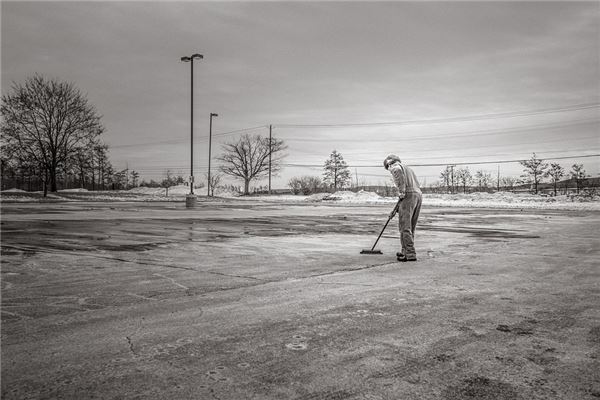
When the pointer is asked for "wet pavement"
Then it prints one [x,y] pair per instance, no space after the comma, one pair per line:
[250,300]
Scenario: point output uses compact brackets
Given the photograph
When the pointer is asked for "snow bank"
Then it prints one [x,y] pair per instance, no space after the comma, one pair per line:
[584,201]
[508,200]
[351,197]
[180,190]
[473,200]
[148,191]
[13,190]
[73,190]
[223,192]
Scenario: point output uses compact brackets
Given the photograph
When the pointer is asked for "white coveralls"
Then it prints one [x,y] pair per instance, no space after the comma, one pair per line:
[410,206]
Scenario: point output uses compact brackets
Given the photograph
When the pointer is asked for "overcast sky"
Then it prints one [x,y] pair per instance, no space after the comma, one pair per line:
[463,81]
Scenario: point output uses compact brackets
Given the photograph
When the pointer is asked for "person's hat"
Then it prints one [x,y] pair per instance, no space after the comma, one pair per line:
[390,159]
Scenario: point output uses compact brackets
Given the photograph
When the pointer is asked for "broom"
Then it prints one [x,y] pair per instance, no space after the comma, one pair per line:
[373,251]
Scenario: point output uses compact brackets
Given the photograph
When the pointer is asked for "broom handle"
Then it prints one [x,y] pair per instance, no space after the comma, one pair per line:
[387,222]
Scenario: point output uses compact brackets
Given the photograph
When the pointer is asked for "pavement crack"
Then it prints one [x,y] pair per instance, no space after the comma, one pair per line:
[85,254]
[236,276]
[131,345]
[173,281]
[347,270]
[142,297]
[344,283]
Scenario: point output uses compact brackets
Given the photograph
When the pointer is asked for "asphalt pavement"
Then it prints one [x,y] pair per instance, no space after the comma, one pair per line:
[251,300]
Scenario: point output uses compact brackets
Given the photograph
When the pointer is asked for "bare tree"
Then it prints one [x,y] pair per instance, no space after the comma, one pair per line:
[248,158]
[534,170]
[483,179]
[305,184]
[336,172]
[102,165]
[464,177]
[579,174]
[445,177]
[213,182]
[311,184]
[508,182]
[555,172]
[295,185]
[82,163]
[168,181]
[48,121]
[135,176]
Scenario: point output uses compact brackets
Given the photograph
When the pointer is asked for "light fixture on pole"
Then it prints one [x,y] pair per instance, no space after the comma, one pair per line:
[209,147]
[190,200]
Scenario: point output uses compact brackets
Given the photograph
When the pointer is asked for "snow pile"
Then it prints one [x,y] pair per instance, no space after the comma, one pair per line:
[589,200]
[585,196]
[317,197]
[351,197]
[507,200]
[473,200]
[225,192]
[13,190]
[152,191]
[73,190]
[179,190]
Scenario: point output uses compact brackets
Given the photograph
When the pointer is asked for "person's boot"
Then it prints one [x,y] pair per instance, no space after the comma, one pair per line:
[405,258]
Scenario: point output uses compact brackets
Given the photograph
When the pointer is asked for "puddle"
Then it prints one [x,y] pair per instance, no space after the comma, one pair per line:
[480,233]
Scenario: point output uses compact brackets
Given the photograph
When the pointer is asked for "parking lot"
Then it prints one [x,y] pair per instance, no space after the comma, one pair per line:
[256,300]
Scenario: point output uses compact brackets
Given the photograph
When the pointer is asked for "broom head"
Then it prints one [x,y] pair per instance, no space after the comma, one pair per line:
[371,252]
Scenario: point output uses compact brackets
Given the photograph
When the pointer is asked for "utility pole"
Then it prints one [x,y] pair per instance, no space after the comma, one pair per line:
[498,183]
[190,200]
[452,175]
[209,147]
[270,148]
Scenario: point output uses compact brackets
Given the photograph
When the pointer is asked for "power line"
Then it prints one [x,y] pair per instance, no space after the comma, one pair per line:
[239,130]
[496,145]
[512,114]
[307,165]
[186,139]
[454,163]
[477,133]
[577,107]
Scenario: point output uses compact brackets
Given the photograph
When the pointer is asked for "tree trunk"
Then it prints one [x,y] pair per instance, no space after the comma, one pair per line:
[246,186]
[53,187]
[45,182]
[102,177]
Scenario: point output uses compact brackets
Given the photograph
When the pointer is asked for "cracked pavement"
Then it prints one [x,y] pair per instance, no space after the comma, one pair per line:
[249,300]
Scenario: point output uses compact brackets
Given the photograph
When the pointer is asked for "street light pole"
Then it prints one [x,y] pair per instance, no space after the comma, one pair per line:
[209,147]
[190,59]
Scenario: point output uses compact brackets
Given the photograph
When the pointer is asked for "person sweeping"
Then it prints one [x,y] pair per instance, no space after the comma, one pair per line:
[409,193]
